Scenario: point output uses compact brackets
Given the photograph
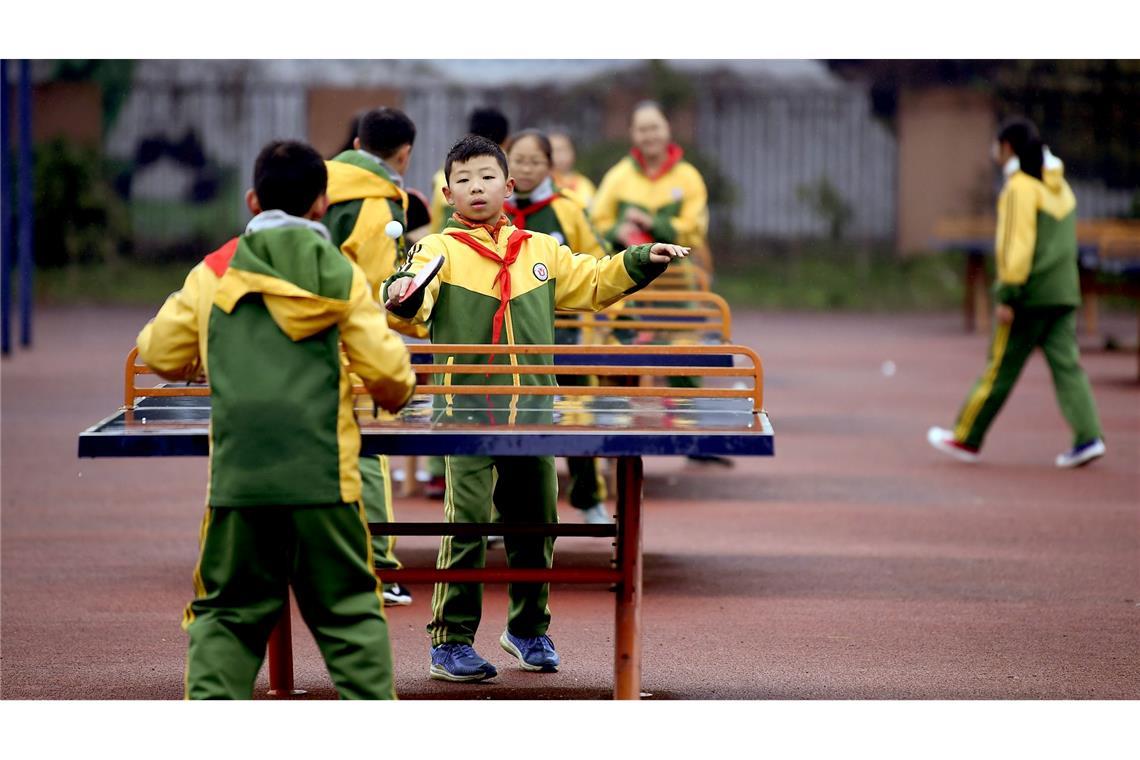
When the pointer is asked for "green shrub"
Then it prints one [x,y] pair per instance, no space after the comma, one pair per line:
[79,219]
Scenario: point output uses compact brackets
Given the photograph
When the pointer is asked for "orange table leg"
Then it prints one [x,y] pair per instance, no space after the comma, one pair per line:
[280,653]
[627,622]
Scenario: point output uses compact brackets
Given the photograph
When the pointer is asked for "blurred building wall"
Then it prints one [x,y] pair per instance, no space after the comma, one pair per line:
[944,138]
[330,110]
[71,110]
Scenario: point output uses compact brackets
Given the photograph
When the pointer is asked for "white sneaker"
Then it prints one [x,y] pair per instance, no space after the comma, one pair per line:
[1082,455]
[597,515]
[943,440]
[493,542]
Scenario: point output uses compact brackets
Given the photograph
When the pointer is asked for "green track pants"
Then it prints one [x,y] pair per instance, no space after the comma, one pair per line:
[522,489]
[376,494]
[249,558]
[1055,331]
[587,487]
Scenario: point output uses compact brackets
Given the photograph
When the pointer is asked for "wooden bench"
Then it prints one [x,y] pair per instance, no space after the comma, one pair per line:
[1106,248]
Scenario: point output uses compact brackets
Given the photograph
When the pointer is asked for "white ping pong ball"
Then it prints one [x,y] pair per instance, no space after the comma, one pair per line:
[393,229]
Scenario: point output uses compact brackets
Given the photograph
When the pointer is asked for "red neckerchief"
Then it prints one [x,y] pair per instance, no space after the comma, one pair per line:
[673,154]
[519,215]
[514,245]
[219,260]
[492,230]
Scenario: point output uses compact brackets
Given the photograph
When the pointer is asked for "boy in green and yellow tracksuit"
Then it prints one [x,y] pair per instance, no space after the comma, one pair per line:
[492,124]
[1037,292]
[267,318]
[539,206]
[500,284]
[365,194]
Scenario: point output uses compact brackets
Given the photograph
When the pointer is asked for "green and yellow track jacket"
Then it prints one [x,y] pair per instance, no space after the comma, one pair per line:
[282,303]
[1036,243]
[477,299]
[675,196]
[362,200]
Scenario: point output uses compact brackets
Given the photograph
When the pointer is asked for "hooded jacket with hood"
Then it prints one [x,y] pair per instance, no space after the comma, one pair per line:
[362,200]
[266,317]
[1036,242]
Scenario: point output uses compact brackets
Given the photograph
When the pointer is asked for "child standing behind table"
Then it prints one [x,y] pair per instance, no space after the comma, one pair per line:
[500,284]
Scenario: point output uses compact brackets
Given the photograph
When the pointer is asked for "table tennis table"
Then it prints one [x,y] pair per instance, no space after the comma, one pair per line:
[622,422]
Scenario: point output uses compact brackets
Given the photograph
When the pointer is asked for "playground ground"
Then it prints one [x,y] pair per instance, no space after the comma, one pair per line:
[857,564]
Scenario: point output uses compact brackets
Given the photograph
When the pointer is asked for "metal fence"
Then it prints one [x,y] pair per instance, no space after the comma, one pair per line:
[187,152]
[185,155]
[772,145]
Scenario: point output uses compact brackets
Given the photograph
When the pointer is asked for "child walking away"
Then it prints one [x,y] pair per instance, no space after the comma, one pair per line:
[267,320]
[501,284]
[366,194]
[539,205]
[1037,293]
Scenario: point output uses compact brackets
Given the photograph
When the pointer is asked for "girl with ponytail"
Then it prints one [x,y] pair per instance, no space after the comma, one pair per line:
[1037,293]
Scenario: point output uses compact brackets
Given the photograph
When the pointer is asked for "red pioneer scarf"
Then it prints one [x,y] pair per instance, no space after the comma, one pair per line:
[519,215]
[514,245]
[492,229]
[219,260]
[673,154]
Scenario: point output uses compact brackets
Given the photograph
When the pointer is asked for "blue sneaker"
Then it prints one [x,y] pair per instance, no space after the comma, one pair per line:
[459,662]
[535,654]
[1081,455]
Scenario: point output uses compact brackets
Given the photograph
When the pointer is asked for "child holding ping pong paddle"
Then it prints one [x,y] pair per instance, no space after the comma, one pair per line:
[501,284]
[268,319]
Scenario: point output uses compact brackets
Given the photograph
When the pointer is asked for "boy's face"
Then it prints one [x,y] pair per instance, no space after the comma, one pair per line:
[477,188]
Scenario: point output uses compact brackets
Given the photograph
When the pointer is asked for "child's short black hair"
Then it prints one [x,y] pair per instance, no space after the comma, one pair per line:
[540,137]
[289,176]
[385,130]
[473,146]
[489,123]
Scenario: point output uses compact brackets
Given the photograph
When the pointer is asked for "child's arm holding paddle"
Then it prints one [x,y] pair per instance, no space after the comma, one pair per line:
[415,307]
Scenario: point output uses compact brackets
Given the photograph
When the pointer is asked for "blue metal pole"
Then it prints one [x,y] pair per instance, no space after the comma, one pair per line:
[26,214]
[5,214]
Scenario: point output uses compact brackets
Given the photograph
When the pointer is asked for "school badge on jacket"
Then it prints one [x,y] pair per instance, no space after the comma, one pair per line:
[540,272]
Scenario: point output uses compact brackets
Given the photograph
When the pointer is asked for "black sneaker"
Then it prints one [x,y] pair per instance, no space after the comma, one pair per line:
[396,595]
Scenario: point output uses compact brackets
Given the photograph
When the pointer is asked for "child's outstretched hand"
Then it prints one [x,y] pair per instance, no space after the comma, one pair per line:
[663,253]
